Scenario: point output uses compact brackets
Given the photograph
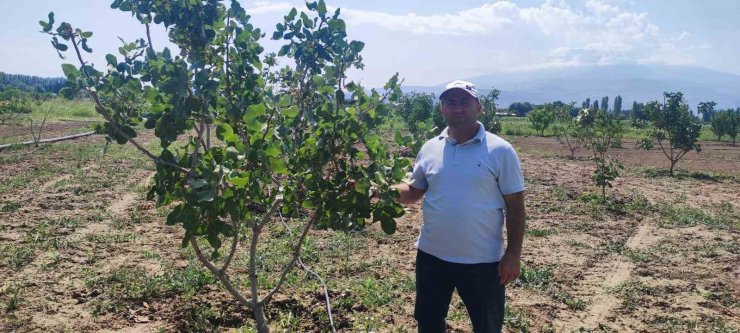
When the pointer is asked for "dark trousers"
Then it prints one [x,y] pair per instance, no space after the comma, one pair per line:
[477,284]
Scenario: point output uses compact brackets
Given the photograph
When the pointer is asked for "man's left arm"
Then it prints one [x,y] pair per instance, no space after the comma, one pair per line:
[510,266]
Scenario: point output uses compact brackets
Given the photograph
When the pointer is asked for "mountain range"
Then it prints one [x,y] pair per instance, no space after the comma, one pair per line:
[641,83]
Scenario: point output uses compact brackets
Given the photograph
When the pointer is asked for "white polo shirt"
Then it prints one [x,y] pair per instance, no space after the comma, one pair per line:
[464,205]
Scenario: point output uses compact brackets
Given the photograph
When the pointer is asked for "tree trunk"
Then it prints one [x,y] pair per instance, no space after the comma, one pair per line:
[673,163]
[260,319]
[603,194]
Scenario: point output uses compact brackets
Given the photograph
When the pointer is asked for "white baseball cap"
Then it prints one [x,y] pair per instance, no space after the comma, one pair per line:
[460,84]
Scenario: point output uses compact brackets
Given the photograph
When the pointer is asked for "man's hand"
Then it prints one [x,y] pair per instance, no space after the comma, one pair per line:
[509,268]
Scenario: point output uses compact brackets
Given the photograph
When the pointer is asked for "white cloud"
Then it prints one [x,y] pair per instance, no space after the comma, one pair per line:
[554,34]
[264,7]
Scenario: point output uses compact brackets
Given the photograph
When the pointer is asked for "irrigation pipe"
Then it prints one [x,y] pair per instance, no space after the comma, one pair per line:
[323,284]
[61,138]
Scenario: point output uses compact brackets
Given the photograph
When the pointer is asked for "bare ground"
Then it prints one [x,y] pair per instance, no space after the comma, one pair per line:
[83,252]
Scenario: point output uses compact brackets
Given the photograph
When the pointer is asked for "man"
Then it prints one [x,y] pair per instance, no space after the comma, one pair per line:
[469,180]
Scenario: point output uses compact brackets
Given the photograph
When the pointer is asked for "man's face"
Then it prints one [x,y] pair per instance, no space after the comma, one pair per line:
[459,108]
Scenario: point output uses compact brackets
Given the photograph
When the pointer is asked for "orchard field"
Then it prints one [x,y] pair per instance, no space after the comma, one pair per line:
[83,251]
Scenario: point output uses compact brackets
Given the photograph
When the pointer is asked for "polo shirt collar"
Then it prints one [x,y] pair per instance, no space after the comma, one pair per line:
[477,138]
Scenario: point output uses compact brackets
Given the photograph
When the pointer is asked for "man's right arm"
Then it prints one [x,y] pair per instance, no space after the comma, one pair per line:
[409,194]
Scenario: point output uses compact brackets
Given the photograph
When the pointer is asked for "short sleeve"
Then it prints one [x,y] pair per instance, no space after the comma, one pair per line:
[417,177]
[510,177]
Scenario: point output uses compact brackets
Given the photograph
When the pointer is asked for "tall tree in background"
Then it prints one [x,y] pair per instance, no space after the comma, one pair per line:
[595,106]
[605,103]
[586,104]
[618,105]
[706,110]
[521,109]
[726,122]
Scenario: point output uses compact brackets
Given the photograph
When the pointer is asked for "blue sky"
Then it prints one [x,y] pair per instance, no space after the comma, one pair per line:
[431,42]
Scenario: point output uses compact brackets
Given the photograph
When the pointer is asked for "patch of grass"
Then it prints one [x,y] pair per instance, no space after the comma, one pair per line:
[574,303]
[10,207]
[516,320]
[560,193]
[136,284]
[706,324]
[112,238]
[615,247]
[540,232]
[636,256]
[374,292]
[681,174]
[14,299]
[534,278]
[633,293]
[151,254]
[683,216]
[17,256]
[575,243]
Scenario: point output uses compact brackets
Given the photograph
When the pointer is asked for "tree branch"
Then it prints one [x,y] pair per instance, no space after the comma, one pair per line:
[296,254]
[220,275]
[115,126]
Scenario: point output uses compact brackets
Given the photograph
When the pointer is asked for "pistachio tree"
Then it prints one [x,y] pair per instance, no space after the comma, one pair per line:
[242,139]
[569,131]
[599,130]
[673,127]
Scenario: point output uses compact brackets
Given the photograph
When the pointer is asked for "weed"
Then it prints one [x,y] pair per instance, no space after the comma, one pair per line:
[17,256]
[615,247]
[571,301]
[534,278]
[704,325]
[633,293]
[684,216]
[151,254]
[14,299]
[135,284]
[10,207]
[51,260]
[636,255]
[374,292]
[575,243]
[111,238]
[540,232]
[516,320]
[560,193]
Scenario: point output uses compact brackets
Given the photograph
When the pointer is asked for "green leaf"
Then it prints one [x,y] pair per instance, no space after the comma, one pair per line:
[70,71]
[277,165]
[291,15]
[197,183]
[307,204]
[356,46]
[85,47]
[290,112]
[388,225]
[86,34]
[254,111]
[206,196]
[111,59]
[239,182]
[214,240]
[60,46]
[225,132]
[322,8]
[67,92]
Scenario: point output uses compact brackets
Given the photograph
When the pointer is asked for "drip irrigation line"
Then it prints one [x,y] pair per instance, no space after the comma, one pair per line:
[61,138]
[323,284]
